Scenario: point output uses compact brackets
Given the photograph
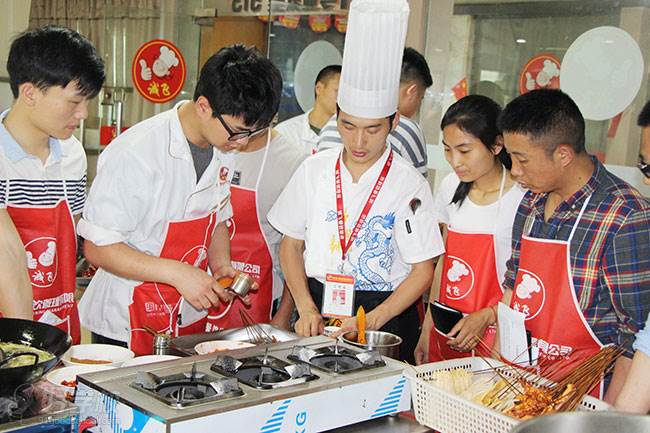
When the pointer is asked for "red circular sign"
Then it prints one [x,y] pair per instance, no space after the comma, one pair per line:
[158,71]
[542,71]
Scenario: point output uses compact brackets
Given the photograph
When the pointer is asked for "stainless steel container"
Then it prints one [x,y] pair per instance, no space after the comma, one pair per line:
[242,284]
[585,422]
[384,342]
[161,344]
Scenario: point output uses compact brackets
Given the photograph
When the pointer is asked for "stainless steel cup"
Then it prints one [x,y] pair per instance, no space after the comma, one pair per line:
[242,284]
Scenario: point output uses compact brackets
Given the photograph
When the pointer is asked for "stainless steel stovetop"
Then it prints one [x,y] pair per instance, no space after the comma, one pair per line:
[310,397]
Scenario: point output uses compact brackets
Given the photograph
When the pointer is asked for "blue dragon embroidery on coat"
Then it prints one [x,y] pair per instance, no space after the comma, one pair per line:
[376,234]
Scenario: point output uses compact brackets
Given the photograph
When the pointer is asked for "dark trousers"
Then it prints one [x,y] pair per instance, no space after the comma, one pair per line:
[100,339]
[406,325]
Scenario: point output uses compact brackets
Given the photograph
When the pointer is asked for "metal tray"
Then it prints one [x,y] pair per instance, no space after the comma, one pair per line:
[184,346]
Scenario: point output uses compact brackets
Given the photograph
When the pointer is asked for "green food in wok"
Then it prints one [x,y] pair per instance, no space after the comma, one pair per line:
[9,349]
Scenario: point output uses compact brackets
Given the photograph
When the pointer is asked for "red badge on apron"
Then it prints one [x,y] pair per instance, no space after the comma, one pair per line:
[157,305]
[51,247]
[249,252]
[469,282]
[544,291]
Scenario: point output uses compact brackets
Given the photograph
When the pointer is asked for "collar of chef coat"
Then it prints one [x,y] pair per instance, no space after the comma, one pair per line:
[370,175]
[15,152]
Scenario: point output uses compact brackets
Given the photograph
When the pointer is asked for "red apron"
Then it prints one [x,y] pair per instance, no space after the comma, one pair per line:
[544,292]
[51,246]
[157,305]
[249,252]
[469,282]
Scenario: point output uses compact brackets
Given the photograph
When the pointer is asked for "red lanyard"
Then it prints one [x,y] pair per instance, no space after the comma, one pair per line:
[340,213]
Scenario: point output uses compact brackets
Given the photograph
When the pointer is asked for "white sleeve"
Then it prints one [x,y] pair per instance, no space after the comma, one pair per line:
[120,197]
[417,235]
[443,196]
[289,213]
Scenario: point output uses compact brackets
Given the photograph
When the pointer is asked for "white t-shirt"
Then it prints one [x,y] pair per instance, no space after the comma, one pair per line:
[380,256]
[145,178]
[471,217]
[26,181]
[299,132]
[282,159]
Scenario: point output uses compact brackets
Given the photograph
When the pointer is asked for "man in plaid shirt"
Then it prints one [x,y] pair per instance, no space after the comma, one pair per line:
[580,265]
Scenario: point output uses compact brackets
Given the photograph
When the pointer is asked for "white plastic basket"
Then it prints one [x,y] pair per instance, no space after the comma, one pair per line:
[449,413]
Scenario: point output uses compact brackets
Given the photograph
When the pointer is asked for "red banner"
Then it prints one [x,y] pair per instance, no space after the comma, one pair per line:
[320,23]
[460,89]
[290,21]
[341,23]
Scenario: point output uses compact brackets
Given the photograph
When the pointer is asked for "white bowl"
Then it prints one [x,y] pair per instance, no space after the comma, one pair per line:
[94,354]
[220,346]
[69,374]
[148,359]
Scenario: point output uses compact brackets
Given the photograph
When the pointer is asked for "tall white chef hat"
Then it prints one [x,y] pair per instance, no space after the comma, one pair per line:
[372,58]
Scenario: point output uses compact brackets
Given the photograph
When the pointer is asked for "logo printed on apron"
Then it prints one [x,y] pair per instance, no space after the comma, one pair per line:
[460,279]
[530,294]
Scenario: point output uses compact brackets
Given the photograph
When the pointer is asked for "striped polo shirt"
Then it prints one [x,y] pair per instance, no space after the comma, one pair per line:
[407,140]
[26,181]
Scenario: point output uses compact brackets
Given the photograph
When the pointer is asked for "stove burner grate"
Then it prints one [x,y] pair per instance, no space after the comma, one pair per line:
[337,359]
[263,372]
[336,363]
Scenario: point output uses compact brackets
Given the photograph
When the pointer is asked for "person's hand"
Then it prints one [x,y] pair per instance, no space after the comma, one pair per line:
[421,352]
[199,288]
[469,330]
[310,323]
[225,275]
[375,319]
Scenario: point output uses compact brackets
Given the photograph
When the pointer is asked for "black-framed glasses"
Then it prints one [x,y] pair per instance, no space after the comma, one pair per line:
[644,167]
[239,135]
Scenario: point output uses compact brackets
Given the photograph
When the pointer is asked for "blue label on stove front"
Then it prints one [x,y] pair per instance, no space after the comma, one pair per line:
[274,423]
[391,402]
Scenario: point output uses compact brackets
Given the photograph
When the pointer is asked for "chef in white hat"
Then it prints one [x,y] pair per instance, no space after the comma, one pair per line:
[358,223]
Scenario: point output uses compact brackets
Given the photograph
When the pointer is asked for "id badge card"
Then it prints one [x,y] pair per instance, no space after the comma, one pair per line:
[338,296]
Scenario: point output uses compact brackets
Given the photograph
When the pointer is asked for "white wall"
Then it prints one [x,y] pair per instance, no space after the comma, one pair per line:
[13,20]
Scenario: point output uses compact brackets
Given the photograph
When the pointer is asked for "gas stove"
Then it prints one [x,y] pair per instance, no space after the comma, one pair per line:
[307,385]
[32,408]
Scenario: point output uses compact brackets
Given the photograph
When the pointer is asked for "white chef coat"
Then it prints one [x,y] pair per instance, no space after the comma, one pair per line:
[145,178]
[299,132]
[474,218]
[34,183]
[282,159]
[381,256]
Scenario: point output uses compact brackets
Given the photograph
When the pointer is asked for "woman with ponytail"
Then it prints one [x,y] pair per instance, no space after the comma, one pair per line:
[476,204]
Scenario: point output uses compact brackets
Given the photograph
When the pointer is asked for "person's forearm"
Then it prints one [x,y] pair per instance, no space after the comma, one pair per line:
[219,249]
[621,371]
[124,261]
[411,289]
[293,268]
[15,288]
[635,393]
[283,315]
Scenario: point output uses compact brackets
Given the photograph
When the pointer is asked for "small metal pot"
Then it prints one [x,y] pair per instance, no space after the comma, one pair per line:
[585,422]
[385,343]
[242,284]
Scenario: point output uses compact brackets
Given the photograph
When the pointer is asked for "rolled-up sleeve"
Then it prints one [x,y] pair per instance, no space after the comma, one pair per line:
[626,272]
[120,196]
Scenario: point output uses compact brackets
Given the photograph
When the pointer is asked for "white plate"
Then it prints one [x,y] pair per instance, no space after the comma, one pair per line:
[113,355]
[69,374]
[148,359]
[220,346]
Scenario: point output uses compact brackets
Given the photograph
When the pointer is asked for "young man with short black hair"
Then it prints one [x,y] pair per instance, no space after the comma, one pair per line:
[53,72]
[157,210]
[303,130]
[580,265]
[407,138]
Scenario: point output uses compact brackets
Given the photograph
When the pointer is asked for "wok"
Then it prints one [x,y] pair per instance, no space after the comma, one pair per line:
[35,334]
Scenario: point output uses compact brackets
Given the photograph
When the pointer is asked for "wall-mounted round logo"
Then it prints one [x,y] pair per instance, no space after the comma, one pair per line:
[42,261]
[541,71]
[158,71]
[530,294]
[460,278]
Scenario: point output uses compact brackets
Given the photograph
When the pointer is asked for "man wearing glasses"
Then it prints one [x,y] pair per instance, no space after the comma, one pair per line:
[156,214]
